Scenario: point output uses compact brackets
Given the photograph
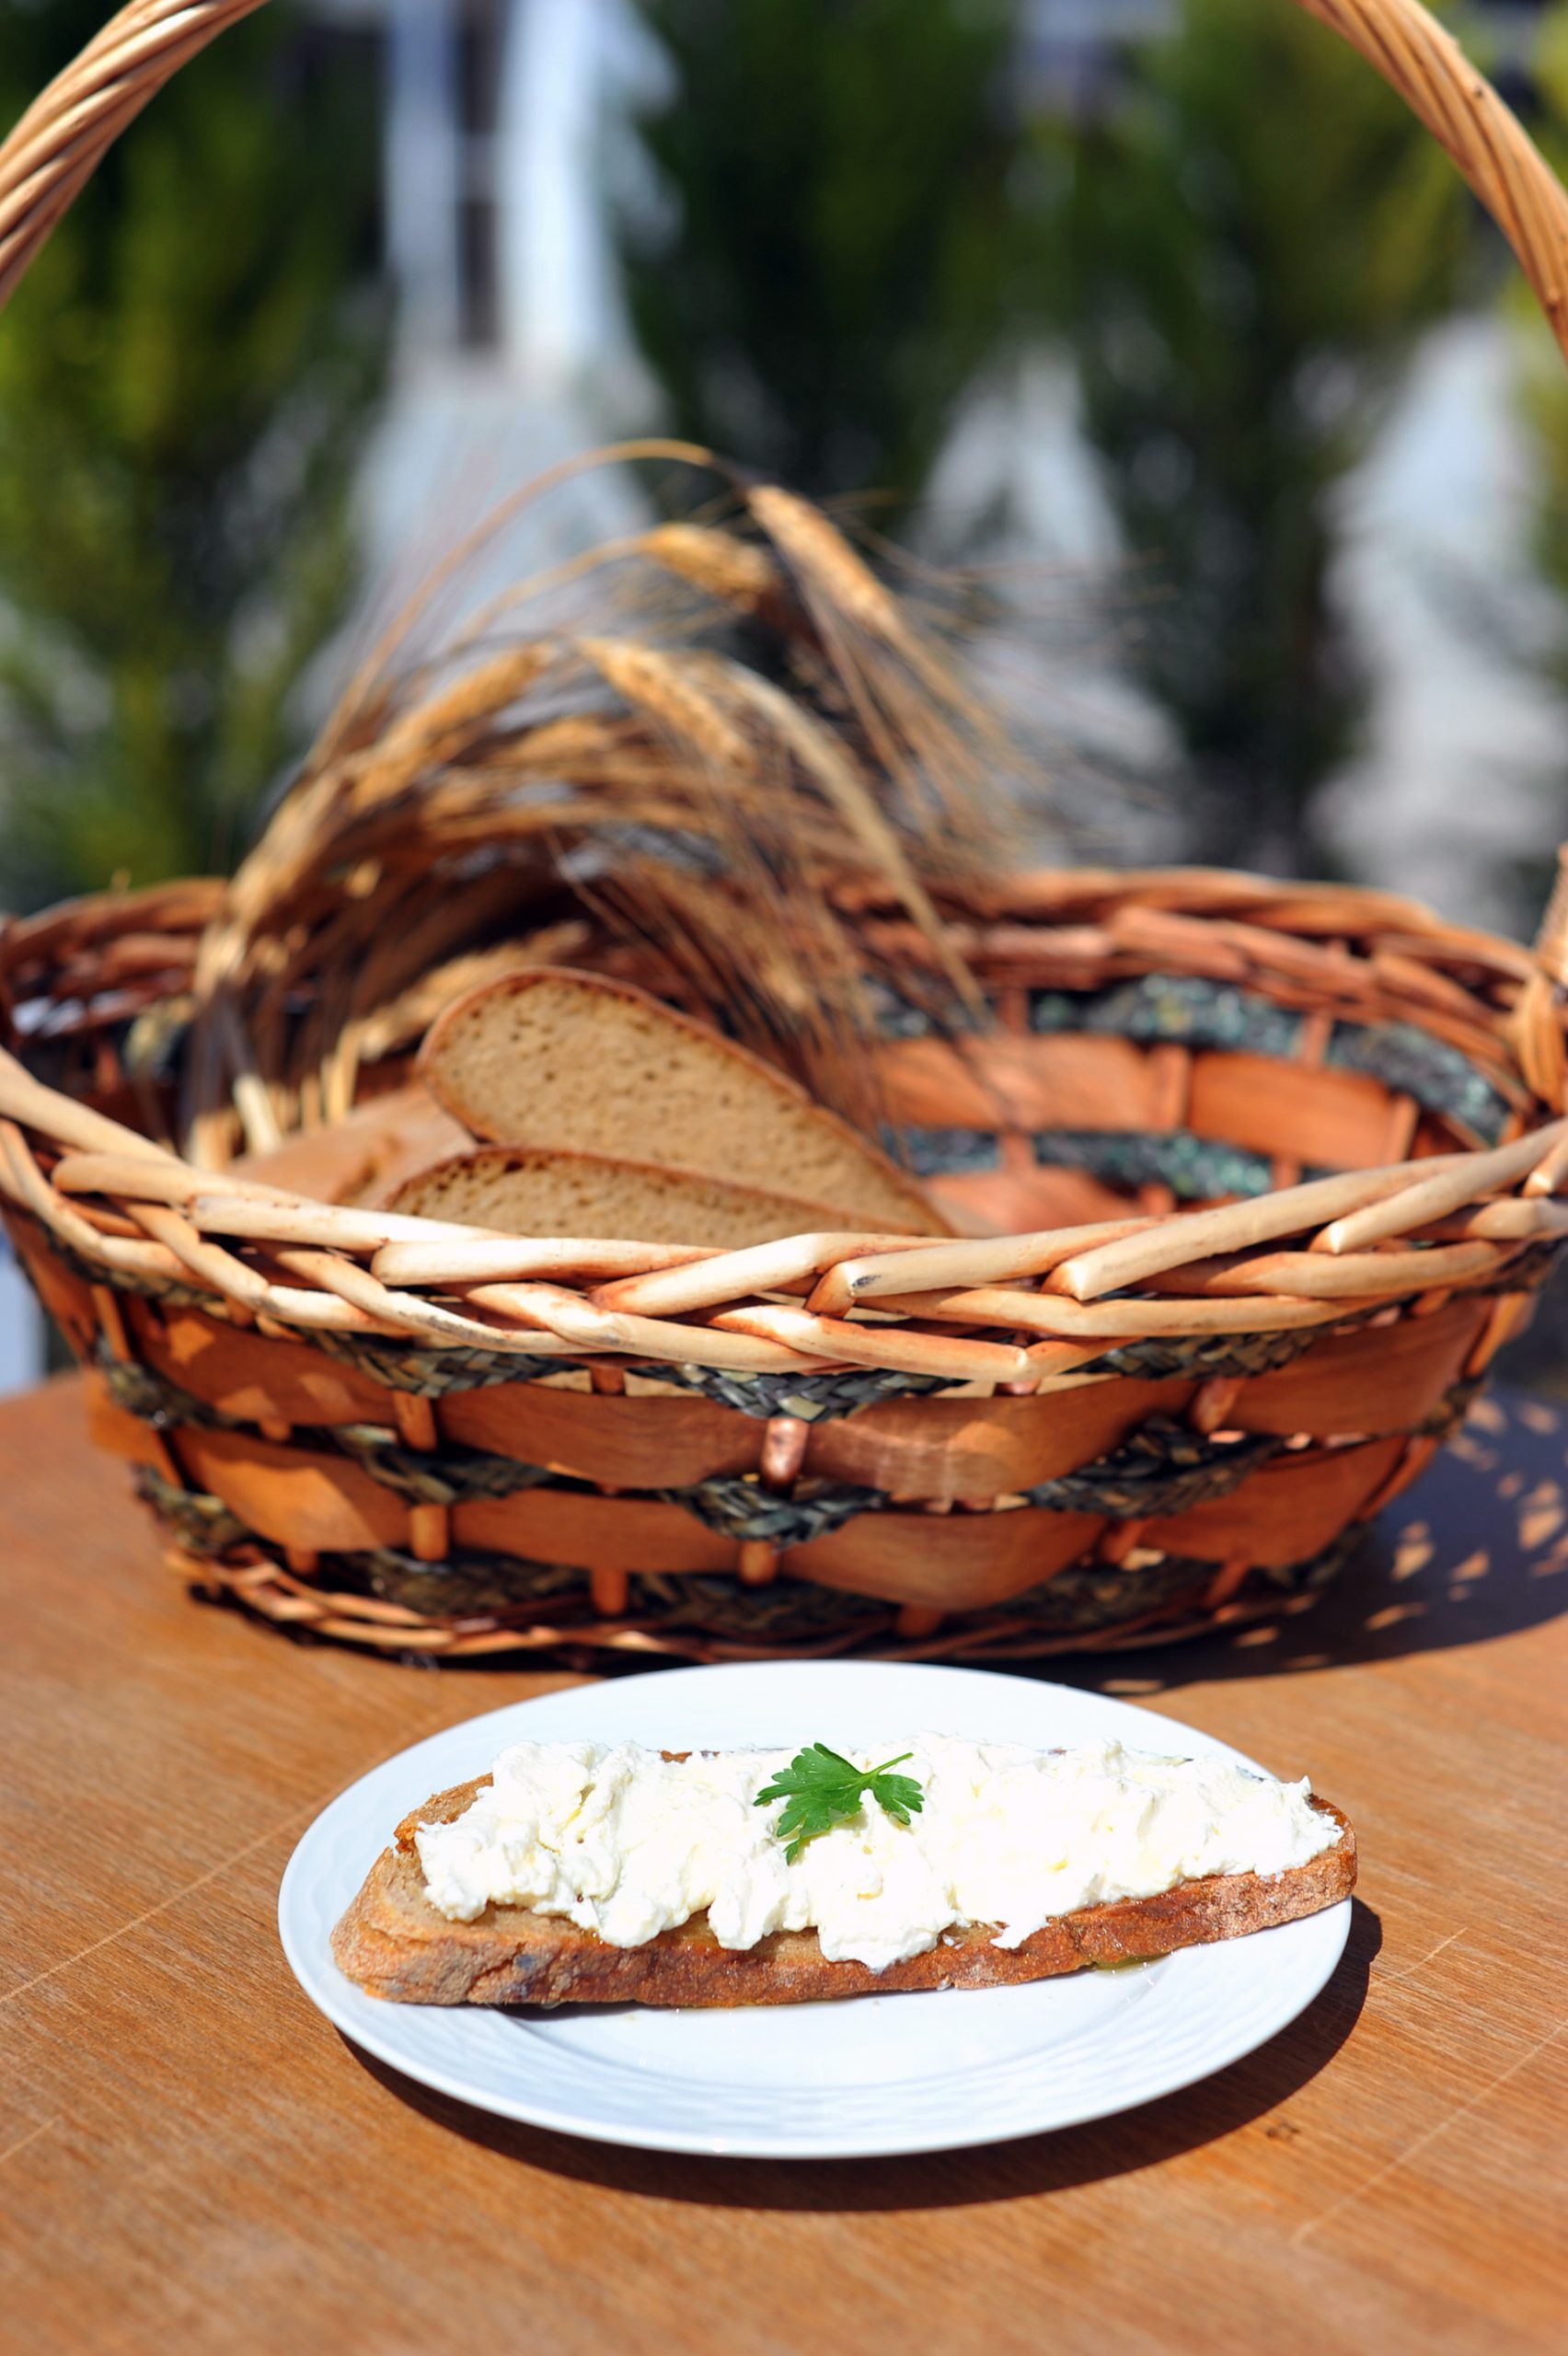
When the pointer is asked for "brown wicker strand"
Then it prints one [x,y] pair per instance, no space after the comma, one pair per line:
[1464,113]
[53,152]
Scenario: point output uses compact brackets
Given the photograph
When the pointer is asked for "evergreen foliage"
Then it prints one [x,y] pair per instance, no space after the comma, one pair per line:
[840,255]
[186,377]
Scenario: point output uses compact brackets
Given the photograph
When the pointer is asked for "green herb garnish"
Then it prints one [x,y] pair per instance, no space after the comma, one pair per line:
[820,1785]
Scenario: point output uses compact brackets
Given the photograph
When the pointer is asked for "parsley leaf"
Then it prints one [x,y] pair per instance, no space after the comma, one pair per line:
[820,1785]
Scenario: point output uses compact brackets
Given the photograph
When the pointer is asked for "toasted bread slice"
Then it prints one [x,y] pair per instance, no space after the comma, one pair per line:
[551,1056]
[393,1942]
[537,1190]
[366,1154]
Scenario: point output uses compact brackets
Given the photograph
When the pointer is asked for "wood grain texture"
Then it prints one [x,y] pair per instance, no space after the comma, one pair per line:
[192,2159]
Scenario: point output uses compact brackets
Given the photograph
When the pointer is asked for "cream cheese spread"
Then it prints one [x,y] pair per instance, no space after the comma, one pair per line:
[627,1844]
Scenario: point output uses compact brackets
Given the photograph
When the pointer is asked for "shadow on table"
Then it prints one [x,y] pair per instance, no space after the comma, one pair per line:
[1249,2097]
[1478,1548]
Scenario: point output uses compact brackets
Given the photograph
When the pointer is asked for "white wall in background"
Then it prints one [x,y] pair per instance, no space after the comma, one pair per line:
[567,68]
[422,169]
[1464,770]
[469,423]
[1464,773]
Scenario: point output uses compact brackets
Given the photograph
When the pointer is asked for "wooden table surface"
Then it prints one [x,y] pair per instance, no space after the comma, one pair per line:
[194,2159]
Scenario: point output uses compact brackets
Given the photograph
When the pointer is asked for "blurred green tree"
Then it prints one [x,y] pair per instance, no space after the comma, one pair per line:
[1242,251]
[838,253]
[185,380]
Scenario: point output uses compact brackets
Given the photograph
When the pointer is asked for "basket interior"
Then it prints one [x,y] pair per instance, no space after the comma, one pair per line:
[1162,1092]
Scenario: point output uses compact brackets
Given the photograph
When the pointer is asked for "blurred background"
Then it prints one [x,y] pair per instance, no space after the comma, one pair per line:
[1164,312]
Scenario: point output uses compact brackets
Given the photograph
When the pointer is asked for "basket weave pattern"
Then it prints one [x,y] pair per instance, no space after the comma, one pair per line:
[1279,1166]
[1129,1417]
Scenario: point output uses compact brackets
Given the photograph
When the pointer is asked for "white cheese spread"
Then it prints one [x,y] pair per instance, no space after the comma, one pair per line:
[627,1843]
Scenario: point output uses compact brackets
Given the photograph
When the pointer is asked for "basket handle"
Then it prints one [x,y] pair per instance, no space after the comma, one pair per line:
[53,151]
[54,148]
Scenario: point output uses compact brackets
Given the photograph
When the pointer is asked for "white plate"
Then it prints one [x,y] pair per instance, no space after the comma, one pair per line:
[836,2081]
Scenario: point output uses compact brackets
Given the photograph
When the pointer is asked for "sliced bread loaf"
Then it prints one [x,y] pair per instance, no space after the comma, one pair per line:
[554,1058]
[394,1943]
[537,1189]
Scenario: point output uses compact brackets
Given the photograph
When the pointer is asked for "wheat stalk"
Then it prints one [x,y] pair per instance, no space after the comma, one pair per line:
[623,765]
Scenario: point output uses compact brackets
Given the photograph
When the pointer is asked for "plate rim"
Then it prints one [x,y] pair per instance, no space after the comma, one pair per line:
[316,1974]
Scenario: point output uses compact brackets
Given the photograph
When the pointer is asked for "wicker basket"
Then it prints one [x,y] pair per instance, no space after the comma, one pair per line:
[1286,1156]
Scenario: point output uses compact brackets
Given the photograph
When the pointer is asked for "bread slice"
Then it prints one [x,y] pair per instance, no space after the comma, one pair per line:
[534,1190]
[366,1154]
[552,1057]
[393,1942]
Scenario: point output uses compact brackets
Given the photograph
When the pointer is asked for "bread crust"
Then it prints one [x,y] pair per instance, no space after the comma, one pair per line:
[395,1945]
[902,1197]
[773,1213]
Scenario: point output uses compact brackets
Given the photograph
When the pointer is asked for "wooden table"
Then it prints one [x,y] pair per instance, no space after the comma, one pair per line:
[194,2159]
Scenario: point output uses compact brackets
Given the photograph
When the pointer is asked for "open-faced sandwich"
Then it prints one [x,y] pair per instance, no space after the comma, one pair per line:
[587,1873]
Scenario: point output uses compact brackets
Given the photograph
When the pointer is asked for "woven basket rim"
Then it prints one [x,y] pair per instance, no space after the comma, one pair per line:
[1349,1244]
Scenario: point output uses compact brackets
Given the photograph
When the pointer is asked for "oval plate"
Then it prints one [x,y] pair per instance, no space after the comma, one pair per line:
[864,2076]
